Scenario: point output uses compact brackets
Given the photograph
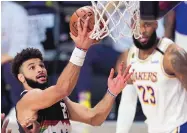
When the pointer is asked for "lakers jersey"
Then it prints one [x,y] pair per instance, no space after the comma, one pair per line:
[162,97]
[54,119]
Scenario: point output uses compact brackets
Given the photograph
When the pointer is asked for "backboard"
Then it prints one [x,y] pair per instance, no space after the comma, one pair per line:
[154,10]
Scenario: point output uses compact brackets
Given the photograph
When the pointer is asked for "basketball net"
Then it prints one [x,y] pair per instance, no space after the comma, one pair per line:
[116,19]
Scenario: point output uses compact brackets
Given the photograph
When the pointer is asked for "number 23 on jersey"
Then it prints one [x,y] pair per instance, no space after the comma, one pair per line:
[148,94]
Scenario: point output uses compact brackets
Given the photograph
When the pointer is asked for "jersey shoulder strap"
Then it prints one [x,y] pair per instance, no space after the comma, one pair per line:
[23,93]
[164,44]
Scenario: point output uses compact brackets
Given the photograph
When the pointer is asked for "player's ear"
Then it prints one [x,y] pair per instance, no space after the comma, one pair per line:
[21,77]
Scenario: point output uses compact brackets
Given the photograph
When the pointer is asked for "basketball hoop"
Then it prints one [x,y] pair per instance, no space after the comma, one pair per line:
[119,19]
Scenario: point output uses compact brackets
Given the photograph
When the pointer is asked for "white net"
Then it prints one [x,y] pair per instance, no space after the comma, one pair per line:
[116,19]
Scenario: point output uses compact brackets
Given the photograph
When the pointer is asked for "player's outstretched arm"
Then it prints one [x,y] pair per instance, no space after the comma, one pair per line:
[97,115]
[68,78]
[176,63]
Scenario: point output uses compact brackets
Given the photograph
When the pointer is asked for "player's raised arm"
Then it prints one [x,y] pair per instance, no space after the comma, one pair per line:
[97,115]
[68,78]
[176,59]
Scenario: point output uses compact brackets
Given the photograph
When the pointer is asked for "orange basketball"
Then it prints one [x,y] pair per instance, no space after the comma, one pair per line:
[83,13]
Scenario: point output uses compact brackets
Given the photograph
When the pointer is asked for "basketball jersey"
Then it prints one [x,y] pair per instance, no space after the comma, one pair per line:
[162,97]
[54,119]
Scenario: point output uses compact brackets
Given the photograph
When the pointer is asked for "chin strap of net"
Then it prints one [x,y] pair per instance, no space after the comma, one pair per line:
[116,19]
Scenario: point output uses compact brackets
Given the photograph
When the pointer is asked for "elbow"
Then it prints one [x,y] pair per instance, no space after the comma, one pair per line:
[94,121]
[67,92]
[97,124]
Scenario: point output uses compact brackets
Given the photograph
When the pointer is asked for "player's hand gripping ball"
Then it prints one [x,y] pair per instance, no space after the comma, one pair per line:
[83,13]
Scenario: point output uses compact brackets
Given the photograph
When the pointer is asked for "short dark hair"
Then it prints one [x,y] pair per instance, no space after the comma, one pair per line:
[24,55]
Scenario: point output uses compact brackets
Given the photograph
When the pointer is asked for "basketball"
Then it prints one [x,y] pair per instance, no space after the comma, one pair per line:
[83,13]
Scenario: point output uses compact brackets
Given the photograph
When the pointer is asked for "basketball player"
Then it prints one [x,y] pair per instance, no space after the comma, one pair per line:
[50,106]
[160,79]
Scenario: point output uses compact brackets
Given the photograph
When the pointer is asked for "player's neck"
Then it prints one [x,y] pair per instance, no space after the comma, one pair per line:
[143,54]
[27,87]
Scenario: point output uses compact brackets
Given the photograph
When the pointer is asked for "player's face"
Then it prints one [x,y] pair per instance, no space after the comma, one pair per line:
[147,28]
[149,37]
[35,73]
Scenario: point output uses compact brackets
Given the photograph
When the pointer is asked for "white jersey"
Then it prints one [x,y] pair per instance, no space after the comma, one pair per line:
[163,99]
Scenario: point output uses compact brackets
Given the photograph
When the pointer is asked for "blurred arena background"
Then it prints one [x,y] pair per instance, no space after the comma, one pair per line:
[47,28]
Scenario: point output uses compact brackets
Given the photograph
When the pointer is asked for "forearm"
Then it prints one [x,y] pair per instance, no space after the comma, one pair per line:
[94,116]
[68,78]
[5,58]
[102,109]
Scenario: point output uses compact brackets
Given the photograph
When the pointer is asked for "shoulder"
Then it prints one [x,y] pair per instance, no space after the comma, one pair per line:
[30,94]
[27,98]
[36,92]
[167,40]
[174,51]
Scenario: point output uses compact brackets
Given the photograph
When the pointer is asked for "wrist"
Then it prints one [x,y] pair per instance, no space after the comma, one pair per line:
[78,56]
[112,94]
[83,49]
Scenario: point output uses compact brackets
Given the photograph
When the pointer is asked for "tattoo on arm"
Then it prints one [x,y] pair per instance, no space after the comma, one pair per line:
[178,62]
